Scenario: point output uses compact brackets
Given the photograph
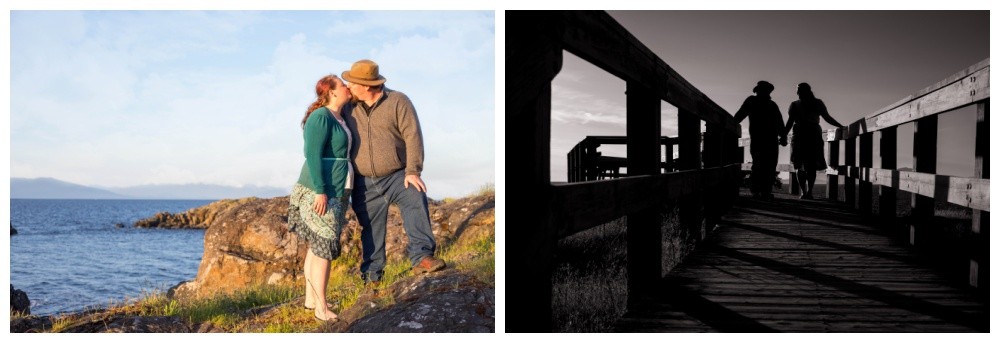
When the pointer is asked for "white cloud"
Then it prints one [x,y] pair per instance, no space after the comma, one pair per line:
[141,107]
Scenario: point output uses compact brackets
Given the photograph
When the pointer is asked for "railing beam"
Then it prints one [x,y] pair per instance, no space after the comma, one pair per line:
[979,262]
[850,152]
[643,156]
[689,132]
[925,142]
[887,194]
[832,180]
[864,184]
[533,58]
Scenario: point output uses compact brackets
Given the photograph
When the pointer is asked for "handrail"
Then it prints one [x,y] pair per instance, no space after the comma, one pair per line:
[966,87]
[583,205]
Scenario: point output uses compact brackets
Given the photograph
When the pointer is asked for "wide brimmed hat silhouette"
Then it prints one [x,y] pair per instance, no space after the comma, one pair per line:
[763,86]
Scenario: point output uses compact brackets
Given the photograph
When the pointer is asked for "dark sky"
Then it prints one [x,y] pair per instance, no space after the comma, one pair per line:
[856,61]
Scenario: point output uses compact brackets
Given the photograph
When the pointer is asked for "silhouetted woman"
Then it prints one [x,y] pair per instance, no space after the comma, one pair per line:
[319,200]
[766,130]
[807,137]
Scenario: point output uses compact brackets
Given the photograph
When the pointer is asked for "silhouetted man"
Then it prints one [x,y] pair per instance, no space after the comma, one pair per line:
[766,131]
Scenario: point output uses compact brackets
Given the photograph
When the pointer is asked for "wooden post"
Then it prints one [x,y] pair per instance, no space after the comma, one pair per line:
[713,146]
[669,146]
[533,59]
[832,181]
[573,163]
[887,194]
[850,152]
[864,183]
[924,161]
[643,232]
[689,133]
[979,262]
[714,155]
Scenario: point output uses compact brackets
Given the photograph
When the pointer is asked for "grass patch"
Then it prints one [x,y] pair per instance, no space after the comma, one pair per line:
[479,257]
[61,323]
[223,310]
[281,327]
[487,189]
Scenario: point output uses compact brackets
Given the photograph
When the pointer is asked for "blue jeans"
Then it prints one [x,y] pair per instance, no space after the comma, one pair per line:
[370,199]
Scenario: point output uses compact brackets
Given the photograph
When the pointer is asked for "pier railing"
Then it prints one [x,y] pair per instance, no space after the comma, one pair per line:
[585,163]
[705,185]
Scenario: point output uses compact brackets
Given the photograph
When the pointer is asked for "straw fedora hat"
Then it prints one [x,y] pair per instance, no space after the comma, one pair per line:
[364,72]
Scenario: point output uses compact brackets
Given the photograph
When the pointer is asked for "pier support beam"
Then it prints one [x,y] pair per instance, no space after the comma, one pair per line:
[644,234]
[689,132]
[533,59]
[979,262]
[850,180]
[865,161]
[925,144]
[833,181]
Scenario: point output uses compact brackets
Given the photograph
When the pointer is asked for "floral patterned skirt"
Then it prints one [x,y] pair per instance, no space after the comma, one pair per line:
[322,232]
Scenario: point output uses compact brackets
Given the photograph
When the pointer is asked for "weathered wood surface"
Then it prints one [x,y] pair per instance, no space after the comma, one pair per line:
[779,267]
[966,191]
[963,88]
[583,205]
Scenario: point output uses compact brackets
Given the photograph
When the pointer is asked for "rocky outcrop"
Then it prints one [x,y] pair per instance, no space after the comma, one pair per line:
[197,218]
[247,244]
[30,324]
[104,322]
[19,303]
[250,244]
[448,301]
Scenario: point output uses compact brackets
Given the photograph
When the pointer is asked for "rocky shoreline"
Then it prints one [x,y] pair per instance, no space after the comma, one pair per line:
[247,244]
[197,218]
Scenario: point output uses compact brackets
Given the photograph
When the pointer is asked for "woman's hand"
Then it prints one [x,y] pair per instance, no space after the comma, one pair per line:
[319,205]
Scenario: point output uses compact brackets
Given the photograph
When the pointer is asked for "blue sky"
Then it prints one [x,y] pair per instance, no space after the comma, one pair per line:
[122,98]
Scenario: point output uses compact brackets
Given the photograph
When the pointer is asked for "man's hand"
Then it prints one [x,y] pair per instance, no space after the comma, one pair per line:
[319,205]
[416,181]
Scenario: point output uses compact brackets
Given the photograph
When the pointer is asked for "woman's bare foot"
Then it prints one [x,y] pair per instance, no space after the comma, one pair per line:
[325,315]
[311,305]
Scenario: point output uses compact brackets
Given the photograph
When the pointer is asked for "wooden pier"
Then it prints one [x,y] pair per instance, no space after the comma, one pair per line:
[701,257]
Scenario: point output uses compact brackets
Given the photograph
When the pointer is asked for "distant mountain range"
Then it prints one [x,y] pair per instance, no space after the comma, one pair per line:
[49,188]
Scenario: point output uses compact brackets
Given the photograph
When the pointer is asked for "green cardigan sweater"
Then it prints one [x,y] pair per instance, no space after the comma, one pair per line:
[326,151]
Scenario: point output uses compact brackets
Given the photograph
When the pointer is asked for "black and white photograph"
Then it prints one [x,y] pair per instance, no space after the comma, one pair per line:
[748,171]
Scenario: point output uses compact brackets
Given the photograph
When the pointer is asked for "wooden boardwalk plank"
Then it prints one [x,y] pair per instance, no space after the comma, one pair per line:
[804,266]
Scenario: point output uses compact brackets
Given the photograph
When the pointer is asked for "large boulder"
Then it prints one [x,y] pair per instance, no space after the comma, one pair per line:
[19,302]
[448,301]
[196,218]
[247,244]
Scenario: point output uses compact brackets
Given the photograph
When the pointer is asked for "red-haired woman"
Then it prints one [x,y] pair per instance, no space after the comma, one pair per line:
[319,199]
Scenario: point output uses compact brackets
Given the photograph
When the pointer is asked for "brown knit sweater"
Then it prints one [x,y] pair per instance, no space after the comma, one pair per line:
[387,135]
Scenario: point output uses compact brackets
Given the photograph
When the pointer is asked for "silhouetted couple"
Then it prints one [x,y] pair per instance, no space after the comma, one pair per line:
[767,131]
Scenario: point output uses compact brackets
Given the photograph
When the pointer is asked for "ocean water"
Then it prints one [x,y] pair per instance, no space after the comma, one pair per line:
[69,255]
